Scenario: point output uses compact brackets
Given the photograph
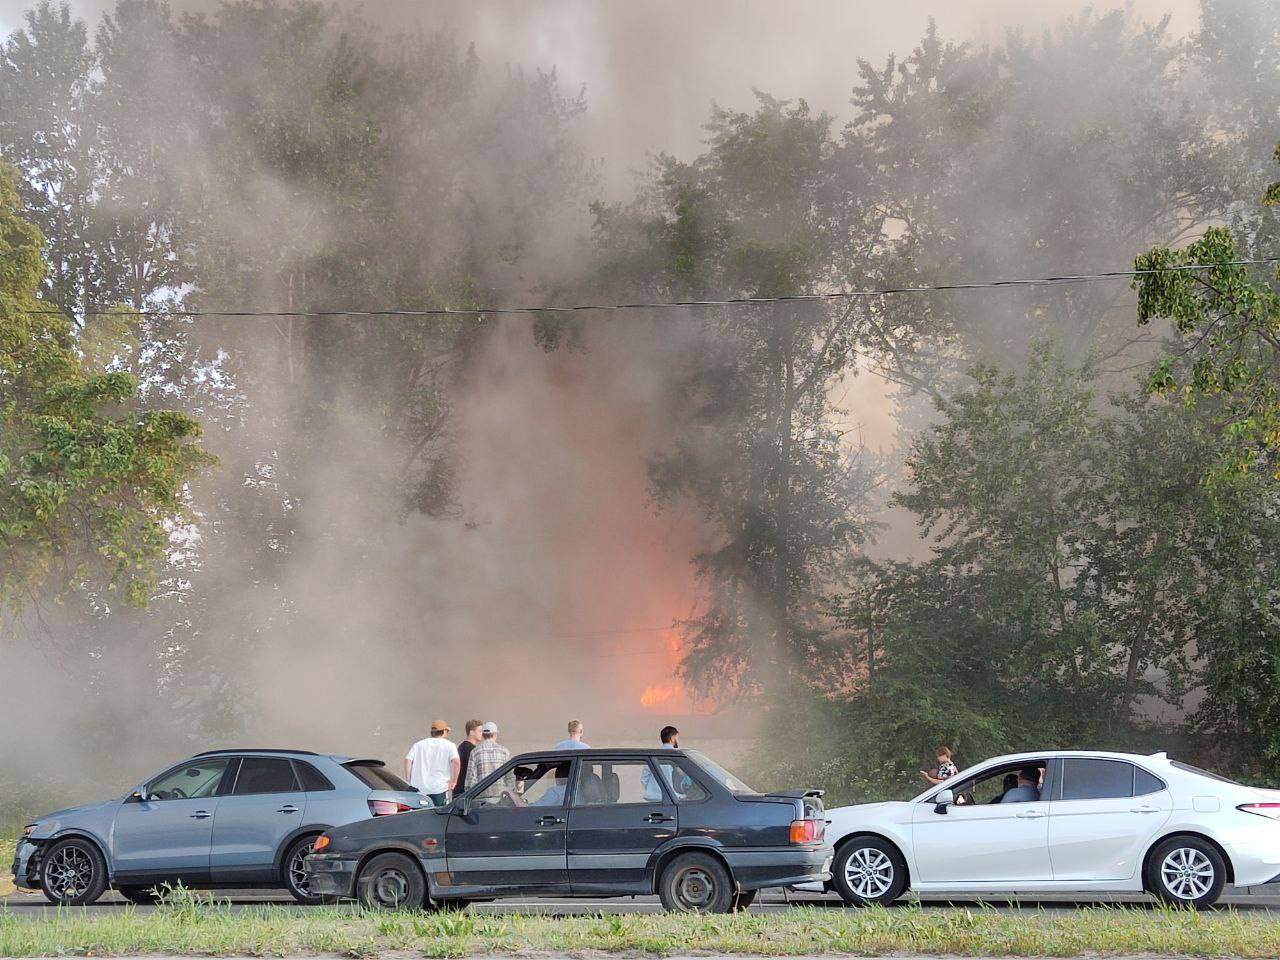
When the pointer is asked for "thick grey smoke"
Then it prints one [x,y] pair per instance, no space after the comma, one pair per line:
[550,593]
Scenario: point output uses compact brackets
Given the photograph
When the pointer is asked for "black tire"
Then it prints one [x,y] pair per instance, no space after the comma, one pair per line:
[868,870]
[138,895]
[73,872]
[743,900]
[696,883]
[1186,872]
[391,881]
[295,880]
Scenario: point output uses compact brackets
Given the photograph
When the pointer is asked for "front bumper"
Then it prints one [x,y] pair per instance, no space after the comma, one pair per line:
[26,866]
[758,869]
[330,875]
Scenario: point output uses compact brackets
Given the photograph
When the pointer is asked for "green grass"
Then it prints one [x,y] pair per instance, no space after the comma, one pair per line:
[196,925]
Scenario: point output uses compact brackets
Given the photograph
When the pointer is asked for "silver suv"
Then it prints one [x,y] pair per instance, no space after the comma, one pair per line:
[226,818]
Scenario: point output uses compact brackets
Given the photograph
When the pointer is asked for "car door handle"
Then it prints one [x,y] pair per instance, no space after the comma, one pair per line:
[1144,809]
[201,815]
[659,818]
[1031,814]
[288,808]
[549,821]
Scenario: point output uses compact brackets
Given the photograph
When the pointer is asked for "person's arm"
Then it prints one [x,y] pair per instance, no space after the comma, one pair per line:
[455,765]
[408,769]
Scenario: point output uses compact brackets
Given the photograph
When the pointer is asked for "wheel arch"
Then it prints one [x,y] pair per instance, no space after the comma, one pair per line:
[1151,849]
[311,830]
[392,848]
[664,857]
[860,834]
[76,833]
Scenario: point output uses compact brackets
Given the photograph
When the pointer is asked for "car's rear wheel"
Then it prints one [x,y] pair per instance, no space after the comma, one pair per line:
[391,881]
[295,876]
[744,899]
[1186,872]
[696,883]
[138,894]
[73,872]
[868,870]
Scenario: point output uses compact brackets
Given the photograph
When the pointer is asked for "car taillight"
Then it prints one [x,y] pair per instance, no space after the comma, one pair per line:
[807,831]
[384,808]
[322,843]
[1271,810]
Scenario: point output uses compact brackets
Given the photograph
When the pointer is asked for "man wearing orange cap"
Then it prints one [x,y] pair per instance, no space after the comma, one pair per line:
[432,765]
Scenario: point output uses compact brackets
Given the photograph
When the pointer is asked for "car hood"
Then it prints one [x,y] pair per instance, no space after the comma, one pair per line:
[87,814]
[415,824]
[869,809]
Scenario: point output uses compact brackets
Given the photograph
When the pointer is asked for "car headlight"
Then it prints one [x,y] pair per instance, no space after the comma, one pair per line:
[26,831]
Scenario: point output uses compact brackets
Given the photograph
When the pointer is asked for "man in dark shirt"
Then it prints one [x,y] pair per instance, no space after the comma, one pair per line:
[464,752]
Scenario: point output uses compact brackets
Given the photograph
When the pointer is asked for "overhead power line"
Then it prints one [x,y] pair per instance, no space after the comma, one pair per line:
[678,304]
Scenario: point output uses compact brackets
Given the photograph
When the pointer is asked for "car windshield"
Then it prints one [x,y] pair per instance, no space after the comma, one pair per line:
[719,773]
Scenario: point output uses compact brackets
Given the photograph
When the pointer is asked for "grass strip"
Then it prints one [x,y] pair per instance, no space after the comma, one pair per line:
[210,928]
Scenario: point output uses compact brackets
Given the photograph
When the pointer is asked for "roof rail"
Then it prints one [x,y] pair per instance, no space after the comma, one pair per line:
[212,753]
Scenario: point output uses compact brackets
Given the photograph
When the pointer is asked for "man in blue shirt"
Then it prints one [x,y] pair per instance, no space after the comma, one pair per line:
[1028,788]
[575,738]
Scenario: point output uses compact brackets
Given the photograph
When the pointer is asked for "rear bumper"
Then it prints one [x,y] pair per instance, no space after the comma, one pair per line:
[26,866]
[330,876]
[757,869]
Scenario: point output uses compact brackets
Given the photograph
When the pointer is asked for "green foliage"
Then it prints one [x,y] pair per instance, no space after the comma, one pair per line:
[88,481]
[1226,317]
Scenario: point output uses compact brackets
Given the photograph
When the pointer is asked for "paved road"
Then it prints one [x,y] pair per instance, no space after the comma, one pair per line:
[35,906]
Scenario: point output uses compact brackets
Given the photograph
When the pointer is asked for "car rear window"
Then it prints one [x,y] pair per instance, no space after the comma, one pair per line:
[377,776]
[1188,768]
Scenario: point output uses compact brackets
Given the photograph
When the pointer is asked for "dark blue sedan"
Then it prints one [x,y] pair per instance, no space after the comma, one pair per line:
[586,823]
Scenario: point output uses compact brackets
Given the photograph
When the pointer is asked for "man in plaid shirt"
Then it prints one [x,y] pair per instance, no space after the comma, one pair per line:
[487,757]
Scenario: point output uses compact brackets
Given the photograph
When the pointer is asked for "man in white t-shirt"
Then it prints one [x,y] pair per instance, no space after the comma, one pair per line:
[432,765]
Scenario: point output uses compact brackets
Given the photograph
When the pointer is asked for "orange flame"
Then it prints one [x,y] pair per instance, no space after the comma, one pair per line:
[655,697]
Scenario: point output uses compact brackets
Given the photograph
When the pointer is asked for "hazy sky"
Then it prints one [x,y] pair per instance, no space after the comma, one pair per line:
[651,68]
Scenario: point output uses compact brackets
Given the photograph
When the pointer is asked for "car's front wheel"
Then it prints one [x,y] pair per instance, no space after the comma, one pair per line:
[696,883]
[1186,872]
[295,875]
[391,881]
[73,872]
[868,870]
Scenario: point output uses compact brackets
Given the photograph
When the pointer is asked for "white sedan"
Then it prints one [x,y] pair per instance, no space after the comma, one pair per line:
[1064,821]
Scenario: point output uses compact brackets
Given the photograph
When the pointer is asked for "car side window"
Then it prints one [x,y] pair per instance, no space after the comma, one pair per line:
[312,780]
[1088,778]
[1144,783]
[679,784]
[614,782]
[188,781]
[265,775]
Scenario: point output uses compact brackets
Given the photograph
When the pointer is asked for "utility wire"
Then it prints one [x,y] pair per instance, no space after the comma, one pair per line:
[680,304]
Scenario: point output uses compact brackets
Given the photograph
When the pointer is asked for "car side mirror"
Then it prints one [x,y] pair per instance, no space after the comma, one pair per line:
[136,796]
[943,799]
[462,806]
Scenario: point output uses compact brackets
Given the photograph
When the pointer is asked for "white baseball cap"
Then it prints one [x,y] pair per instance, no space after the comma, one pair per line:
[489,727]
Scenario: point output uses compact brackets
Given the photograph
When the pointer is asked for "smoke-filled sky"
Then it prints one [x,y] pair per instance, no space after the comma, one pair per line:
[562,553]
[651,68]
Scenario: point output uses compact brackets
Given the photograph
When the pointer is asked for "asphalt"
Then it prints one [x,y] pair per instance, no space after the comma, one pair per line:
[34,906]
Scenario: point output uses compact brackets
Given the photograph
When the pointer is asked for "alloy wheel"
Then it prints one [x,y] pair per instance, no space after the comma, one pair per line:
[1187,873]
[297,874]
[695,888]
[869,873]
[69,873]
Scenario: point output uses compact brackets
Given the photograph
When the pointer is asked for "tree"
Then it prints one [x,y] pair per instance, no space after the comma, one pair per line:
[1226,317]
[88,483]
[758,456]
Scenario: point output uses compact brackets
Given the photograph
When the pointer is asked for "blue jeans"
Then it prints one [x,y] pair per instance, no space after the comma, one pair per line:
[438,799]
